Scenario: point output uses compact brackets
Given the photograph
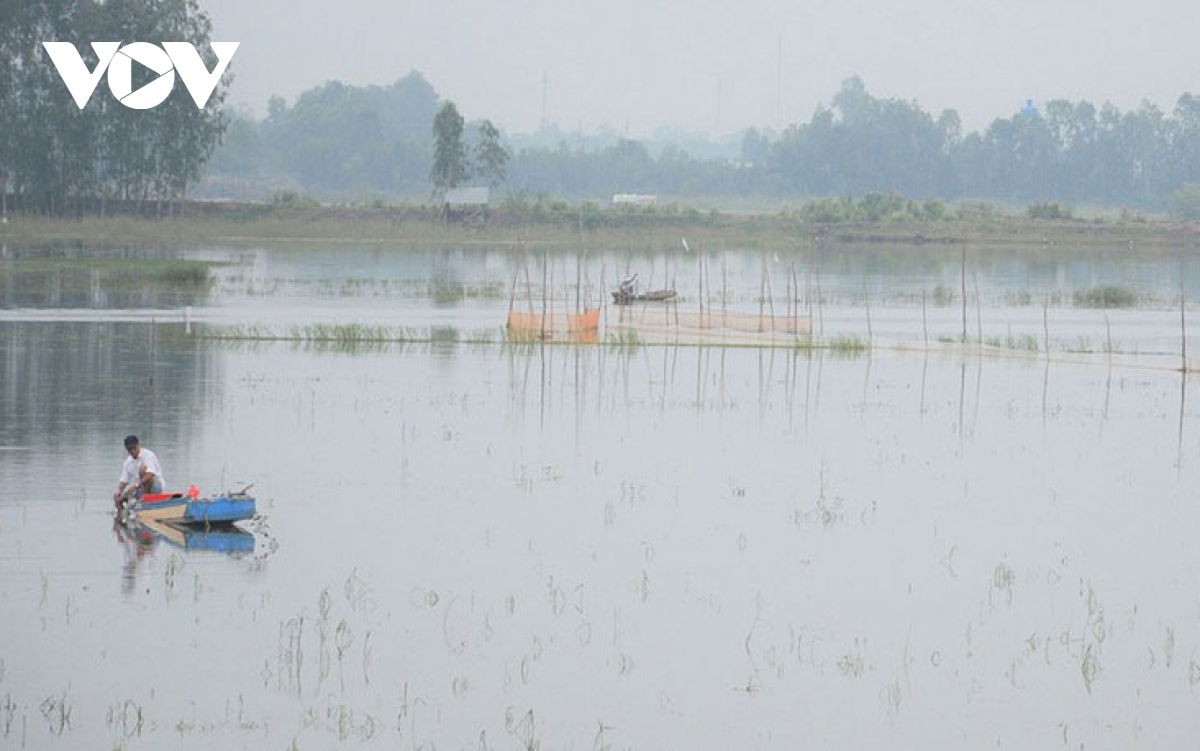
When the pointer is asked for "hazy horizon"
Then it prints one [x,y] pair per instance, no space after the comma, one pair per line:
[713,68]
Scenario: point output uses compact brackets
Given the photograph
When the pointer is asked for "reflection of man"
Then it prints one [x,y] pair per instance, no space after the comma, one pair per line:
[137,544]
[141,471]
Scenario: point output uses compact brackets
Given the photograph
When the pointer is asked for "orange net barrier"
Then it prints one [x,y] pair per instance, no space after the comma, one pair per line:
[537,326]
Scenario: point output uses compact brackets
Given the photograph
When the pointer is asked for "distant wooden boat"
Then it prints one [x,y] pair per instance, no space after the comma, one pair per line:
[627,293]
[624,297]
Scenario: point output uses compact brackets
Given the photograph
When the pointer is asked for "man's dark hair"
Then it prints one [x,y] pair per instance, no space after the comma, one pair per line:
[131,441]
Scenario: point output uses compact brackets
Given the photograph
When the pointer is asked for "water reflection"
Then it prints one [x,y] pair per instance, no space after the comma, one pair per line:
[137,542]
[72,389]
[471,528]
[56,278]
[139,539]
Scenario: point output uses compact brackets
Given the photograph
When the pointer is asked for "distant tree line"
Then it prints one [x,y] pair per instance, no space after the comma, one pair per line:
[335,140]
[346,141]
[1064,152]
[58,158]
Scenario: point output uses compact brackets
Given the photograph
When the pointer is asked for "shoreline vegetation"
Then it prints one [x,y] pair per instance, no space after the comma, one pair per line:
[557,225]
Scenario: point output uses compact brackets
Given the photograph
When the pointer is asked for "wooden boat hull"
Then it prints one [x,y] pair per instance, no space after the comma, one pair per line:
[177,508]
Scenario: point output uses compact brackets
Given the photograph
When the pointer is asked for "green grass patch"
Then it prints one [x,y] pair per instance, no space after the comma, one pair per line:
[1106,296]
[848,345]
[1020,342]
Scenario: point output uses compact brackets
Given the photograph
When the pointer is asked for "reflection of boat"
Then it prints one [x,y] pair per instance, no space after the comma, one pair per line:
[181,509]
[220,537]
[627,293]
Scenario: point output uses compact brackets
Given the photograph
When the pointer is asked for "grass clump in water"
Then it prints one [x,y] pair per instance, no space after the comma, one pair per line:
[341,332]
[1020,342]
[848,345]
[1106,296]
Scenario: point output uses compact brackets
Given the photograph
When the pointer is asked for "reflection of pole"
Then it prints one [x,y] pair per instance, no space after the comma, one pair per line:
[1045,389]
[962,392]
[807,389]
[1107,396]
[542,385]
[1182,405]
[924,372]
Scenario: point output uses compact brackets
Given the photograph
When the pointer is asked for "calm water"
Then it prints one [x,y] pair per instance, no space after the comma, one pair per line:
[494,546]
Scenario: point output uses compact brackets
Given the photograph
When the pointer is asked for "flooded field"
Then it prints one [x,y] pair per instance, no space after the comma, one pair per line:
[470,543]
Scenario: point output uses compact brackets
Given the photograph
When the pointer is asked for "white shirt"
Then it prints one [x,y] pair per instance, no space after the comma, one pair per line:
[132,468]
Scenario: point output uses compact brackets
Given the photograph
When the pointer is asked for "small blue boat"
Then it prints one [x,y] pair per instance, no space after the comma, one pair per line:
[186,509]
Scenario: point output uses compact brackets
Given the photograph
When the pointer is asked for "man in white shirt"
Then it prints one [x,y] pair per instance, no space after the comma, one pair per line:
[141,469]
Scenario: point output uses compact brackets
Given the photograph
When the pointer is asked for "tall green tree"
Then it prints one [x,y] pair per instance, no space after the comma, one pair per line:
[58,158]
[449,154]
[490,157]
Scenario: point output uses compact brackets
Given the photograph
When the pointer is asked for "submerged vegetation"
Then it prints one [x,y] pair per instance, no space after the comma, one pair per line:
[1106,296]
[117,273]
[348,336]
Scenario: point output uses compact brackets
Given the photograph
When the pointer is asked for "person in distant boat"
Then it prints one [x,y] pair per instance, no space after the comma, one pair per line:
[141,469]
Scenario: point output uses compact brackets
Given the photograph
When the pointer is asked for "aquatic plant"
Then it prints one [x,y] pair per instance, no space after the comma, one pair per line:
[1106,296]
[1021,342]
[1049,210]
[625,339]
[942,296]
[443,334]
[848,345]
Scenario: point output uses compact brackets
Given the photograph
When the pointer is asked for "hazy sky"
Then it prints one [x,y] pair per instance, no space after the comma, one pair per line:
[717,67]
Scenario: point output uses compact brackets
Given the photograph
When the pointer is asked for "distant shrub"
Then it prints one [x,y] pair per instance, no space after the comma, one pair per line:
[935,211]
[977,210]
[292,199]
[825,211]
[942,295]
[1048,210]
[183,273]
[1185,203]
[1106,296]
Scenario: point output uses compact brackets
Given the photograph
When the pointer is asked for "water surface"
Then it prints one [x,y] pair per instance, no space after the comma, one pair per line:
[497,546]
